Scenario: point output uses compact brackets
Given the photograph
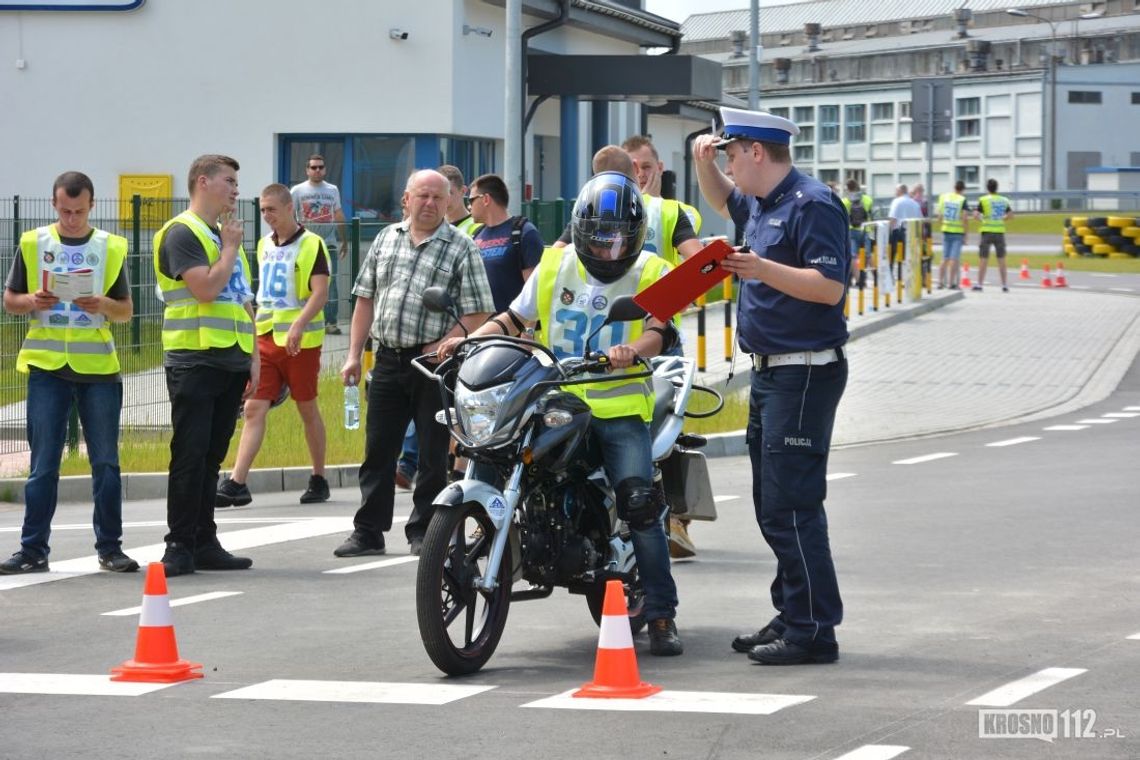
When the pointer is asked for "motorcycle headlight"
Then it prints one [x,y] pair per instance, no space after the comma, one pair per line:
[479,410]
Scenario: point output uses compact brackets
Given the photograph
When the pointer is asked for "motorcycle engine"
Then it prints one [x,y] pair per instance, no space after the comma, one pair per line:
[561,538]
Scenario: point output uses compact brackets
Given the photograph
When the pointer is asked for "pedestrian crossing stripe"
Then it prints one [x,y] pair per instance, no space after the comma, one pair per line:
[874,752]
[1015,691]
[680,701]
[75,684]
[374,692]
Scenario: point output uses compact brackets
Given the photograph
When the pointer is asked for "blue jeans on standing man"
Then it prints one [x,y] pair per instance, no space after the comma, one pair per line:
[48,407]
[627,453]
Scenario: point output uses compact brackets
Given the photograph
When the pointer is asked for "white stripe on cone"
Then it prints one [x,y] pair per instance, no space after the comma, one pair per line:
[615,633]
[156,612]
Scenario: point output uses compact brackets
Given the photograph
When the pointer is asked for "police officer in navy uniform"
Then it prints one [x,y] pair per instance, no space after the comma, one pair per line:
[794,273]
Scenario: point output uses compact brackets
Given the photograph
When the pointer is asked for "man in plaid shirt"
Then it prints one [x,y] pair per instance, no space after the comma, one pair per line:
[407,258]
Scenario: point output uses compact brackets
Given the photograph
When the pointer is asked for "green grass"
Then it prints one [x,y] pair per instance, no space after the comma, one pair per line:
[1037,263]
[284,444]
[1044,224]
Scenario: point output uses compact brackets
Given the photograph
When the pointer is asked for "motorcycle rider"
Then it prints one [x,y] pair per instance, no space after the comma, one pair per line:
[569,293]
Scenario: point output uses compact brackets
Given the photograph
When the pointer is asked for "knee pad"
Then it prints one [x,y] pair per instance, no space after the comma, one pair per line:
[637,504]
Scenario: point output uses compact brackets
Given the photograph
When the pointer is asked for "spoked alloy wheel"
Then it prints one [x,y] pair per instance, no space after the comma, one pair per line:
[460,624]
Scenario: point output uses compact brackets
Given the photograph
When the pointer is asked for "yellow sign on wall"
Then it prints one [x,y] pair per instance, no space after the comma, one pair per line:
[155,191]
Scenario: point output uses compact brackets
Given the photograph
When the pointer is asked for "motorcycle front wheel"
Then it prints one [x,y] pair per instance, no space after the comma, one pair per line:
[460,624]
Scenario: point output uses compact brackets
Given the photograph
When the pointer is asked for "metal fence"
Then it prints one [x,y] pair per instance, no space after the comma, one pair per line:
[139,342]
[1050,201]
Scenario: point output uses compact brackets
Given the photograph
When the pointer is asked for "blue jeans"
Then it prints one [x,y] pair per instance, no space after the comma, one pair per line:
[790,418]
[410,456]
[858,239]
[627,453]
[332,307]
[48,406]
[951,246]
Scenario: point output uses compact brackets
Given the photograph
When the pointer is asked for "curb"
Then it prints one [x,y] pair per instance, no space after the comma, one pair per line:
[152,485]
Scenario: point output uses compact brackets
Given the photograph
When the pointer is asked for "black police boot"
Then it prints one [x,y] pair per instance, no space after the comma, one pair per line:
[663,638]
[784,652]
[766,635]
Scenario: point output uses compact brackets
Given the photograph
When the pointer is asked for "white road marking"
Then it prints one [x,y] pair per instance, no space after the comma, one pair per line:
[178,602]
[233,541]
[1067,427]
[1100,274]
[371,565]
[1014,441]
[1097,421]
[73,683]
[680,701]
[1132,408]
[1121,290]
[1135,637]
[375,692]
[874,752]
[1014,692]
[725,497]
[840,475]
[1079,287]
[1121,415]
[926,458]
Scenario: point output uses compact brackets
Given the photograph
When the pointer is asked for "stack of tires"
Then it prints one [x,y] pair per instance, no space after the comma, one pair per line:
[1102,236]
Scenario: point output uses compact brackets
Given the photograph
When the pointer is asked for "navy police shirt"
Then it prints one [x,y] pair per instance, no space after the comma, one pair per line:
[801,224]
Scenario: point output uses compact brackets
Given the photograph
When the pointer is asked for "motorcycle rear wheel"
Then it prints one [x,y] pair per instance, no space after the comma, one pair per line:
[634,604]
[460,624]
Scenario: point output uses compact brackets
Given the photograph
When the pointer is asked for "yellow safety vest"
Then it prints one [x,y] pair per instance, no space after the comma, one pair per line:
[468,226]
[566,320]
[950,207]
[865,201]
[87,350]
[284,289]
[661,220]
[993,208]
[192,325]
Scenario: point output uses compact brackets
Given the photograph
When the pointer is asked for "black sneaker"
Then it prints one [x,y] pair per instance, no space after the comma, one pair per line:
[663,638]
[232,494]
[177,559]
[360,545]
[766,635]
[317,491]
[211,556]
[977,288]
[117,562]
[22,562]
[784,652]
[332,329]
[1004,289]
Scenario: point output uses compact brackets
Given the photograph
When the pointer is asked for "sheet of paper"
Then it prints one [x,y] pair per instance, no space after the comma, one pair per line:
[67,286]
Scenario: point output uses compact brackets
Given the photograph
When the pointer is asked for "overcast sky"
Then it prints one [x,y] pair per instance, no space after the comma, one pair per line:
[679,10]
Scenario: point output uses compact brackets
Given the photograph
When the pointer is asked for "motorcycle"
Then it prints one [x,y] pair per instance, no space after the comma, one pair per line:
[535,506]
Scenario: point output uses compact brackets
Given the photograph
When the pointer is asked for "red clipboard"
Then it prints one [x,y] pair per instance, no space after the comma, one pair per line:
[693,277]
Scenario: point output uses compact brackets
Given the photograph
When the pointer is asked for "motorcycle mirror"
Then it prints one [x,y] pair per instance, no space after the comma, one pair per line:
[438,300]
[623,309]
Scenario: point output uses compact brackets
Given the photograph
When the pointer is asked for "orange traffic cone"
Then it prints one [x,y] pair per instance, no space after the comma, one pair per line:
[1025,270]
[615,671]
[156,652]
[966,276]
[1047,278]
[1061,281]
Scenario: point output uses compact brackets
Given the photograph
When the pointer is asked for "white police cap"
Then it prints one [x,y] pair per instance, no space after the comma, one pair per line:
[755,125]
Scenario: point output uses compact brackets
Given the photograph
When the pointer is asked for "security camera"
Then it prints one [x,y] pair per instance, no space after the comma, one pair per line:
[397,34]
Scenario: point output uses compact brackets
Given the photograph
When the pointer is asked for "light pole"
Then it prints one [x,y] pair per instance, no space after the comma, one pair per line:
[1052,91]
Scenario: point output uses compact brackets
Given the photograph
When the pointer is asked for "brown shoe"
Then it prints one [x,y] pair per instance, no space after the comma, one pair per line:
[680,545]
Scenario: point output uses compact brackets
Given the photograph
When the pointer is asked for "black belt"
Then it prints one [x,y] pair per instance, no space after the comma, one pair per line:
[405,354]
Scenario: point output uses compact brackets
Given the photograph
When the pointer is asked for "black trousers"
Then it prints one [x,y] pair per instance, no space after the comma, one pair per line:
[204,404]
[397,395]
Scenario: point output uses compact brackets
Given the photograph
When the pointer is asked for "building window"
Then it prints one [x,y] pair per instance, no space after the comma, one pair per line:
[904,110]
[859,175]
[1136,95]
[967,125]
[804,153]
[806,136]
[1087,97]
[967,174]
[828,124]
[827,176]
[882,111]
[804,115]
[856,118]
[781,112]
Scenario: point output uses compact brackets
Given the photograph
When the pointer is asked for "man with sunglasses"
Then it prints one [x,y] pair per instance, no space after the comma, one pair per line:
[318,208]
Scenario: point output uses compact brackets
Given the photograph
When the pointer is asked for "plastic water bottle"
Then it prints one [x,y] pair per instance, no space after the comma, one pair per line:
[351,407]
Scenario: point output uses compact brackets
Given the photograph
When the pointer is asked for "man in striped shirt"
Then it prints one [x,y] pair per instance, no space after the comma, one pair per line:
[407,258]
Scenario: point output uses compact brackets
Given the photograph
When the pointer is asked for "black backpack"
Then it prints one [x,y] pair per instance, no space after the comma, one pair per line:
[858,213]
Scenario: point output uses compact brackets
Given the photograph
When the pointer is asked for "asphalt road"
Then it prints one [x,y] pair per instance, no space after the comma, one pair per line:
[962,575]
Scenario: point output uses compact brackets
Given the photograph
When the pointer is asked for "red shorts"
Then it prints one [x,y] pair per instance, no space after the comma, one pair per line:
[278,368]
